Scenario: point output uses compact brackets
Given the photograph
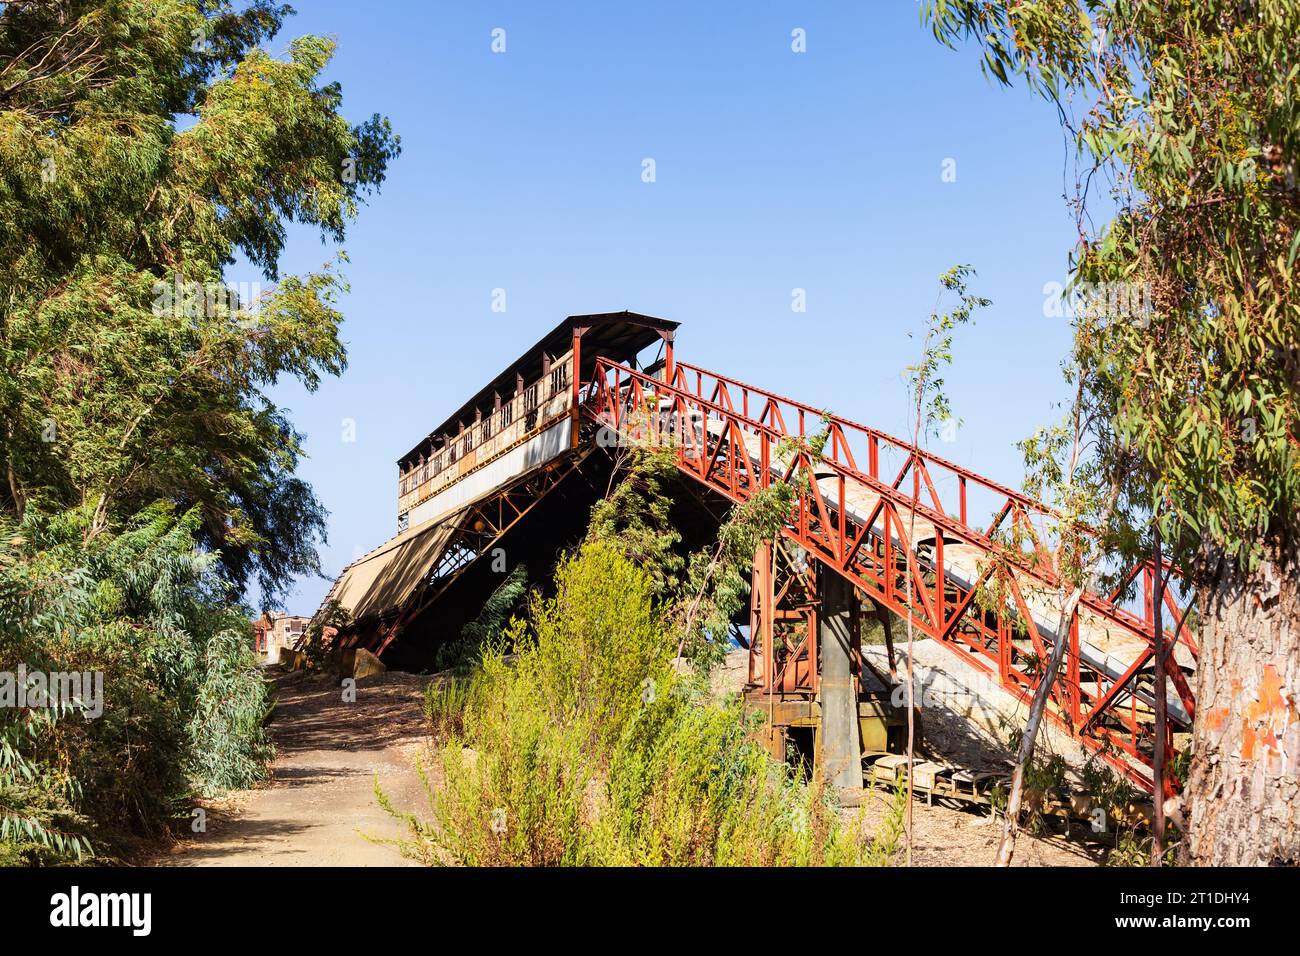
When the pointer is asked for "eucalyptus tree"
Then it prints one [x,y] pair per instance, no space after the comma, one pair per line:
[145,149]
[1185,129]
[930,412]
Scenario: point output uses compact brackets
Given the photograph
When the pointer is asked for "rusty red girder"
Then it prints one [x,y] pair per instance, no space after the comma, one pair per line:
[783,623]
[731,436]
[480,528]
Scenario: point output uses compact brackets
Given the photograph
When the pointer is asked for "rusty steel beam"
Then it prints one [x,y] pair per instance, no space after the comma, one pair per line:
[1158,754]
[480,530]
[731,436]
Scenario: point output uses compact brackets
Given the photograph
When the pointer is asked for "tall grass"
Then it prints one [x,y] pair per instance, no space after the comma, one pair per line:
[584,747]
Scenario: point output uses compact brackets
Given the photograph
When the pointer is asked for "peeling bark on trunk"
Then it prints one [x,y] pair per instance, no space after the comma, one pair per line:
[1244,787]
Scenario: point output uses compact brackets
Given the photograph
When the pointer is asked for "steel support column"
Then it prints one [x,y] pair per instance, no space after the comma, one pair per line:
[839,743]
[575,410]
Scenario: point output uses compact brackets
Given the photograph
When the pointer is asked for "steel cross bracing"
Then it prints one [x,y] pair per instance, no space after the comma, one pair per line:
[480,529]
[884,511]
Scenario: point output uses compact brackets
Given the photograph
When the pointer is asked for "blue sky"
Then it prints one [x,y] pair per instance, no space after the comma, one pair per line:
[775,170]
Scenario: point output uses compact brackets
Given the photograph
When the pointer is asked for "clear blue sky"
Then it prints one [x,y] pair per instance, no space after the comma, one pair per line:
[775,170]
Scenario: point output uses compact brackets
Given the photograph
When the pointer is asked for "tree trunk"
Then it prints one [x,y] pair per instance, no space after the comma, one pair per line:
[1029,740]
[1244,788]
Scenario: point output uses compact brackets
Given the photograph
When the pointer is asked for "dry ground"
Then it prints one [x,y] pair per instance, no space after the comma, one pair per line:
[960,836]
[320,798]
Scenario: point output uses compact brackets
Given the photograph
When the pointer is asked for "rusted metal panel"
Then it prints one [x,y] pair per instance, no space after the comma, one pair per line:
[512,423]
[524,457]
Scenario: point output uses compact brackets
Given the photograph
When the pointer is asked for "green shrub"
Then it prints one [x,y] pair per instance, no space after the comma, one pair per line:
[588,654]
[446,702]
[688,787]
[462,653]
[183,698]
[587,748]
[513,781]
[37,820]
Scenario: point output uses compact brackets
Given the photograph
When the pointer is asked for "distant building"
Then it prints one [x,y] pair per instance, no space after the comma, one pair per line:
[274,632]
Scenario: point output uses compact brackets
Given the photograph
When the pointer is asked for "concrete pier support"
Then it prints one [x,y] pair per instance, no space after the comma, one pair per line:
[840,746]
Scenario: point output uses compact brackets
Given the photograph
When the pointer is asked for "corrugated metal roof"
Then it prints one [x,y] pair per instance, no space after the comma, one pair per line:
[382,580]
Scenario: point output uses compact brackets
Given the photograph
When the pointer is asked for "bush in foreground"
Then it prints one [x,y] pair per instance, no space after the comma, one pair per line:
[585,747]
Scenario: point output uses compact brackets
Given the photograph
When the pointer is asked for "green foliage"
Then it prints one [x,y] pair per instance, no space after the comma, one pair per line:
[1082,494]
[1117,799]
[37,820]
[461,654]
[635,515]
[144,148]
[228,708]
[446,702]
[932,405]
[1108,789]
[688,787]
[1133,850]
[587,748]
[590,650]
[127,374]
[183,699]
[1186,114]
[1044,777]
[717,581]
[704,592]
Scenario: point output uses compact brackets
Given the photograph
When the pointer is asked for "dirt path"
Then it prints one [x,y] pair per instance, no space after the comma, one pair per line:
[320,798]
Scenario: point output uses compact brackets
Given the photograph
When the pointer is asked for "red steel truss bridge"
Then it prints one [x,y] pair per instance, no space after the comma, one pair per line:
[874,520]
[878,511]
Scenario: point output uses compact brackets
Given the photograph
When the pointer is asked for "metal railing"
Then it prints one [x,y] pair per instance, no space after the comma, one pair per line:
[537,402]
[738,439]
